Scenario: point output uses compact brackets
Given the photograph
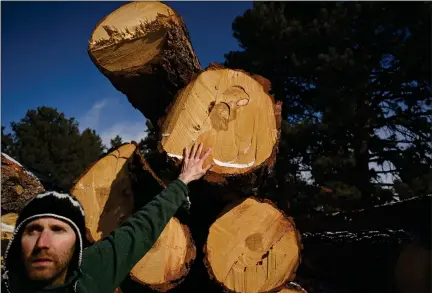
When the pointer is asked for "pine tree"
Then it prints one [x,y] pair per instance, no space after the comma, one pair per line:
[6,142]
[355,81]
[48,142]
[116,141]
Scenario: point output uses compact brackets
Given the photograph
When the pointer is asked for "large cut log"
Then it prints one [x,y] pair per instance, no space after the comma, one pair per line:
[18,185]
[252,247]
[231,112]
[144,49]
[111,190]
[169,258]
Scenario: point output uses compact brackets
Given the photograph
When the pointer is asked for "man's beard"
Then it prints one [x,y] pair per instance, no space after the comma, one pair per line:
[47,273]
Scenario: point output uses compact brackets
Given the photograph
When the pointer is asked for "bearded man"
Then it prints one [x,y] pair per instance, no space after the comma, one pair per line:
[46,252]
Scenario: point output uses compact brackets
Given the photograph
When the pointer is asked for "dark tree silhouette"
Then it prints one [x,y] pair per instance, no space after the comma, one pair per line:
[48,142]
[355,81]
[116,141]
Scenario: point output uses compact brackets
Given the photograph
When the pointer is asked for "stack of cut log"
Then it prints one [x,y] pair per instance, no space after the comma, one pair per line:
[236,240]
[230,237]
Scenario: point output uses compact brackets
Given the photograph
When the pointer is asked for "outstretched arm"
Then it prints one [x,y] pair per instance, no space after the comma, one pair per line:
[110,260]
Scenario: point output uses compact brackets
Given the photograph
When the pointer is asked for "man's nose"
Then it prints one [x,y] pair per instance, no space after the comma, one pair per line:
[44,239]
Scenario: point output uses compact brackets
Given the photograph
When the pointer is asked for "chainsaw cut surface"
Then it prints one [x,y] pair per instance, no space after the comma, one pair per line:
[253,248]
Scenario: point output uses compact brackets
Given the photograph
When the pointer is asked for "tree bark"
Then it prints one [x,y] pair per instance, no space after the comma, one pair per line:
[252,247]
[232,113]
[18,185]
[144,49]
[111,190]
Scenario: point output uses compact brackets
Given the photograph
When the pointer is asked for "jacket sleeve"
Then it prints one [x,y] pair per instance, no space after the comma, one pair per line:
[110,260]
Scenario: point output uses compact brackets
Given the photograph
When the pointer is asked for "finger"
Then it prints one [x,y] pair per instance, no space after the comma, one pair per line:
[208,167]
[186,153]
[198,153]
[207,153]
[192,155]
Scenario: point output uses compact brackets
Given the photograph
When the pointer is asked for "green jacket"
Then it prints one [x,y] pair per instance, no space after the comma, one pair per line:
[108,262]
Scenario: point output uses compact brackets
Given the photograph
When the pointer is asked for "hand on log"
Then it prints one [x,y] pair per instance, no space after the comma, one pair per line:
[111,190]
[192,168]
[231,112]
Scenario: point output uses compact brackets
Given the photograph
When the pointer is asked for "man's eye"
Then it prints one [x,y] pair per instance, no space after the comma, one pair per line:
[33,229]
[58,229]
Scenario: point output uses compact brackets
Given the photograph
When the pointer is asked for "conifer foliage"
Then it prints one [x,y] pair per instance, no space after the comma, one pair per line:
[355,81]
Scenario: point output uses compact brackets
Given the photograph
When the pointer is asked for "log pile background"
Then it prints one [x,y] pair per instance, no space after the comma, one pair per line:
[231,239]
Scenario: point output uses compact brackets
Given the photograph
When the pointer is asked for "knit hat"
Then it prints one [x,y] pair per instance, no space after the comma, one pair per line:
[62,206]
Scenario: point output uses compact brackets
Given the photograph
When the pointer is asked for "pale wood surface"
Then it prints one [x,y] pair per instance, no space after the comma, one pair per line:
[105,192]
[229,111]
[253,247]
[163,266]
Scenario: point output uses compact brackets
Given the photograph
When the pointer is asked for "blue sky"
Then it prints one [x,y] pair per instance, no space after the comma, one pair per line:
[45,61]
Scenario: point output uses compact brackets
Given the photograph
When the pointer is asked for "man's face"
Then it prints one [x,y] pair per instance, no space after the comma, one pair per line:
[47,247]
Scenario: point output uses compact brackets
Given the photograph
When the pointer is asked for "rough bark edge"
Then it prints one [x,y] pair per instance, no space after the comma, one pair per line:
[108,152]
[223,179]
[24,175]
[120,7]
[155,72]
[146,165]
[297,235]
[189,259]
